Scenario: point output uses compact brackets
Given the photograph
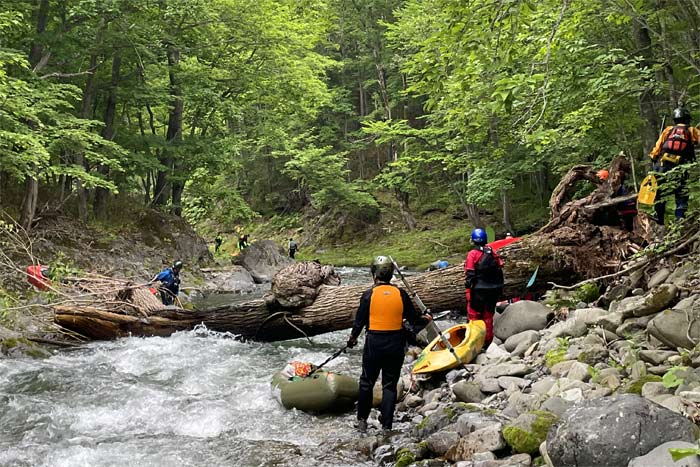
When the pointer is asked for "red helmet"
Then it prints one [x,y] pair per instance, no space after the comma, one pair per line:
[603,174]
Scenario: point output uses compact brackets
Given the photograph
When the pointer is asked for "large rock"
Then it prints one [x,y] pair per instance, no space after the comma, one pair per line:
[519,343]
[672,327]
[263,259]
[485,439]
[504,369]
[468,391]
[297,285]
[656,300]
[660,457]
[521,316]
[612,430]
[439,443]
[230,280]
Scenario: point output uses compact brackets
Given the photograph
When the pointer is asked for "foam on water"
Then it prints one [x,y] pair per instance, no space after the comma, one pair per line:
[191,399]
[195,398]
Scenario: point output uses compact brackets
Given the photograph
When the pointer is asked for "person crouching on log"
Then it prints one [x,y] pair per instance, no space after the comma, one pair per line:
[170,280]
[484,283]
[382,311]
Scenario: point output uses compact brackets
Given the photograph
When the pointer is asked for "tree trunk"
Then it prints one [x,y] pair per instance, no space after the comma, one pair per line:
[405,209]
[505,202]
[646,99]
[29,202]
[164,190]
[108,133]
[31,184]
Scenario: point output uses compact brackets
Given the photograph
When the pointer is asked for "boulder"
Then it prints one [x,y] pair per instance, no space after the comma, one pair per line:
[263,259]
[468,391]
[520,403]
[579,371]
[672,327]
[661,457]
[682,273]
[521,316]
[609,322]
[615,429]
[653,389]
[232,280]
[633,325]
[489,385]
[511,381]
[590,315]
[658,278]
[614,294]
[656,357]
[439,443]
[556,405]
[519,343]
[474,420]
[528,431]
[485,439]
[573,327]
[656,300]
[505,369]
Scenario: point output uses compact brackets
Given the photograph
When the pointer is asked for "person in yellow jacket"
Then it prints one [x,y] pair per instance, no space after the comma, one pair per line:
[675,147]
[382,311]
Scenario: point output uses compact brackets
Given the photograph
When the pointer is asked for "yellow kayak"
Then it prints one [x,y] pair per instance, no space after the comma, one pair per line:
[467,340]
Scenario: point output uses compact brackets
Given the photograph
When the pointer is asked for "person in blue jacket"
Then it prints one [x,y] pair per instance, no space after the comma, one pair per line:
[170,282]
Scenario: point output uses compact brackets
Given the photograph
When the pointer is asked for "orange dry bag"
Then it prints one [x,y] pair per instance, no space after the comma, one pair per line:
[647,192]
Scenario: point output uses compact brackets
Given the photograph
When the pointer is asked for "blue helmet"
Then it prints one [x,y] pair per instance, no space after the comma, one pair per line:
[479,236]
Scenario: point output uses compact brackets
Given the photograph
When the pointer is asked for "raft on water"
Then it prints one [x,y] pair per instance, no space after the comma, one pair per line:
[467,340]
[322,391]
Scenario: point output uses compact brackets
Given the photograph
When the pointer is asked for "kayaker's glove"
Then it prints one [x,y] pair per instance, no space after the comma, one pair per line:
[471,279]
[352,342]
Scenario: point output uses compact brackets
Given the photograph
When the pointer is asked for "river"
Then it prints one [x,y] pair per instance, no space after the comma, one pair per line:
[193,399]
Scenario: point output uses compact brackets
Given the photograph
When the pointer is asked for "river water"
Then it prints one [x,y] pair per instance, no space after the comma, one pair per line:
[193,399]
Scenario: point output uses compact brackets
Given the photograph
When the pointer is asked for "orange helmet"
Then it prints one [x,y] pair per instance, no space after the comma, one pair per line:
[603,174]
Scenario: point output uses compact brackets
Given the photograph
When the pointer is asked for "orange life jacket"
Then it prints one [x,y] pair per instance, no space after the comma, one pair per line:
[385,309]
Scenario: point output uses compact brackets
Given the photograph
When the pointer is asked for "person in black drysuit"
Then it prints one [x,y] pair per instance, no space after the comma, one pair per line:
[170,280]
[217,242]
[293,247]
[382,311]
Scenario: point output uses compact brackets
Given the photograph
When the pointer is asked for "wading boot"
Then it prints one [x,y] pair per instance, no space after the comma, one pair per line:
[362,426]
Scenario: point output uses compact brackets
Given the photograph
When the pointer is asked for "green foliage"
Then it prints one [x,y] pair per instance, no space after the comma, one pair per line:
[681,453]
[678,375]
[404,457]
[587,293]
[557,355]
[635,387]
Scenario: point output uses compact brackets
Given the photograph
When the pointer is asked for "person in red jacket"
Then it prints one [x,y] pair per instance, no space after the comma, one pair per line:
[484,283]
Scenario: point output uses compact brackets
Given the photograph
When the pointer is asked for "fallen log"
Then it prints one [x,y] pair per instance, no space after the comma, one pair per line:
[571,247]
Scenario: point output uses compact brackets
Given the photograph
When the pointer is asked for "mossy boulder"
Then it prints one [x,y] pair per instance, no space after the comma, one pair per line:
[14,345]
[635,386]
[528,431]
[404,457]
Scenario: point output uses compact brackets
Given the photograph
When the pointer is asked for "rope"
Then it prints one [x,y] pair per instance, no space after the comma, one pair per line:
[284,315]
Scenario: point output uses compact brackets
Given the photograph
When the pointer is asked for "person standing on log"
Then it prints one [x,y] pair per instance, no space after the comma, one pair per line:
[293,247]
[217,242]
[382,311]
[484,283]
[170,282]
[243,242]
[674,148]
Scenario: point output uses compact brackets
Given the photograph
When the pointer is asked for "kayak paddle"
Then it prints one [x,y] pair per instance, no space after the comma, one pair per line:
[435,328]
[335,355]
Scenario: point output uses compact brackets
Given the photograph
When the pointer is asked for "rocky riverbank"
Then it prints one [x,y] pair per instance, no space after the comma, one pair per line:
[614,382]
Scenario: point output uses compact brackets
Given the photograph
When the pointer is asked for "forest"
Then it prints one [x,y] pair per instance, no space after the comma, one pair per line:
[224,111]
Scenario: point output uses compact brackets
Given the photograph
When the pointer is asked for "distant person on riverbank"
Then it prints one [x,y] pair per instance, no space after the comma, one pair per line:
[293,247]
[509,235]
[439,264]
[217,242]
[170,282]
[674,149]
[382,311]
[243,242]
[484,283]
